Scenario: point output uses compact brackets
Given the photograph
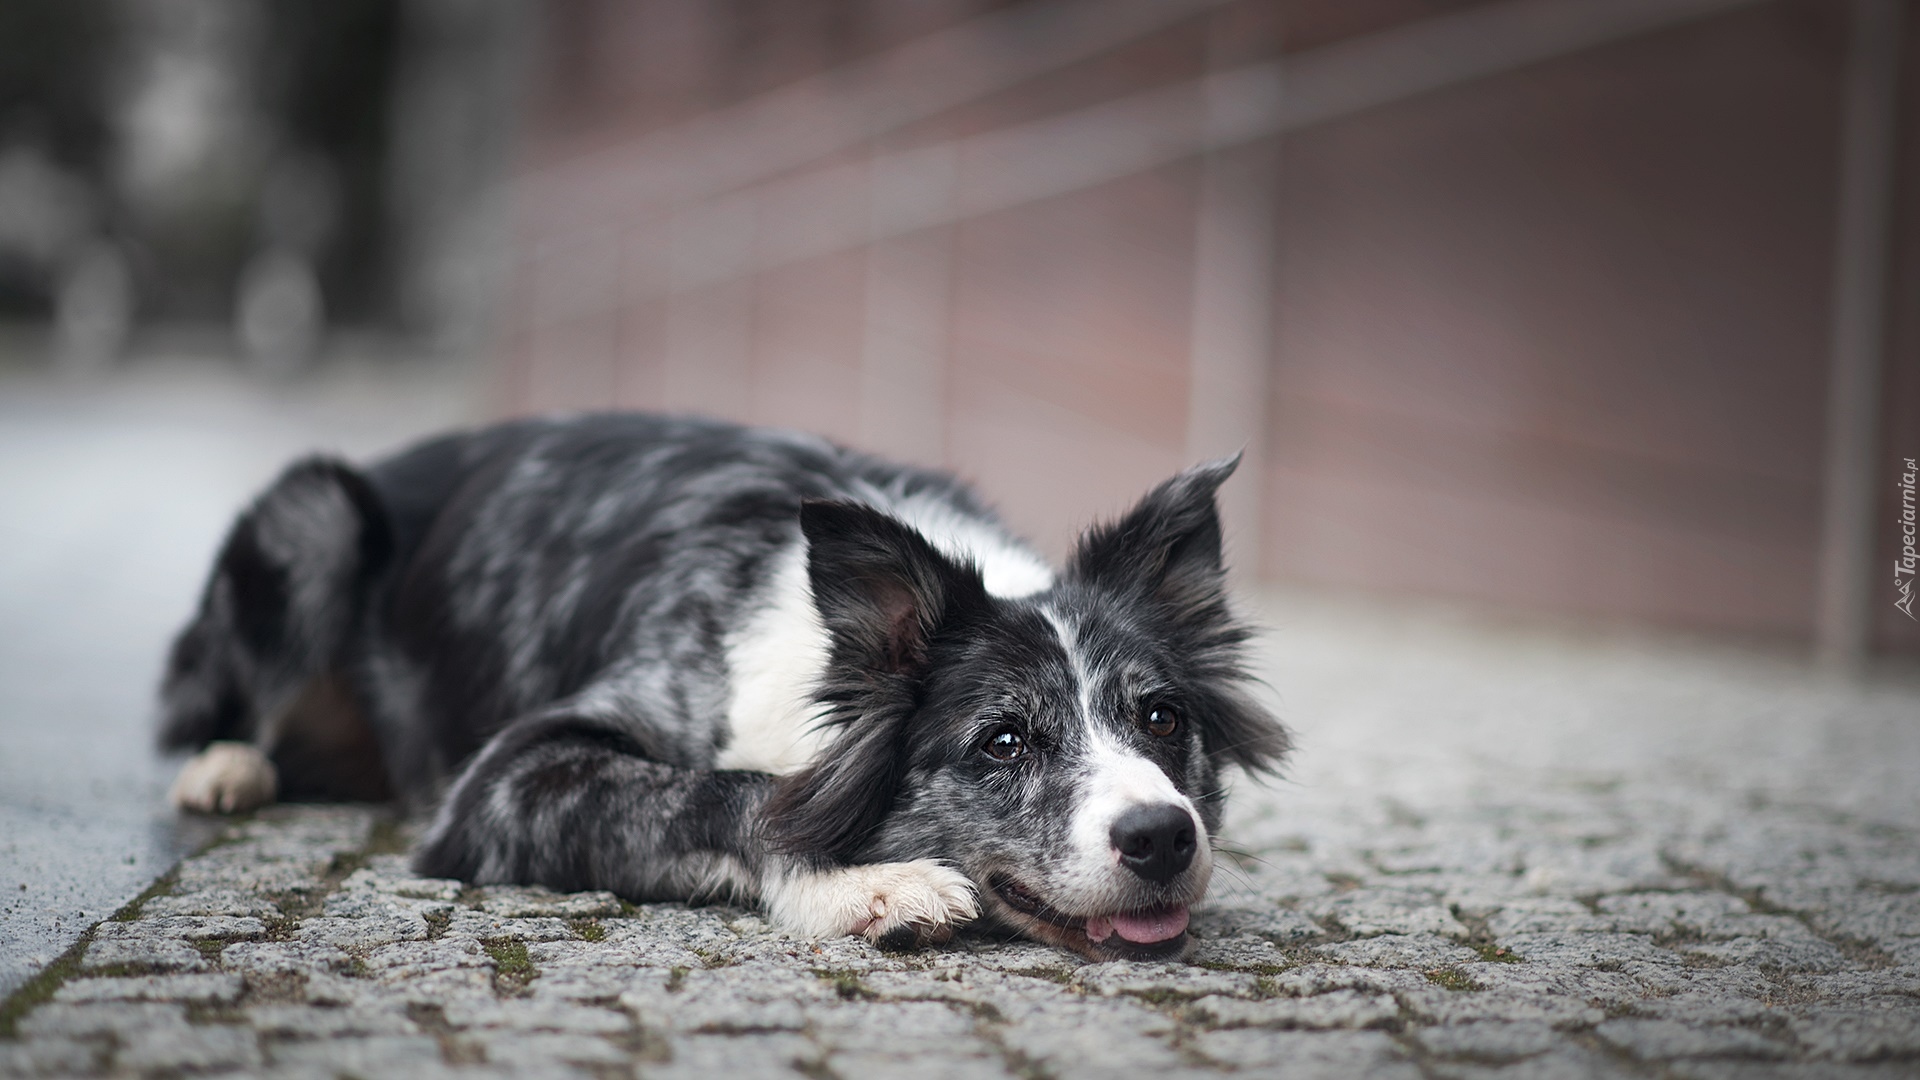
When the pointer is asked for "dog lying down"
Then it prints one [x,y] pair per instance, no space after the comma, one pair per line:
[679,659]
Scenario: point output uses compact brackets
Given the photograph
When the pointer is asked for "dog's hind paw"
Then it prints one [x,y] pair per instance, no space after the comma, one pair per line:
[897,905]
[225,778]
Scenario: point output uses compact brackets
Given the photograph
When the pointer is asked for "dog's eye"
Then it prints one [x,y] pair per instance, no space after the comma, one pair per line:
[1162,721]
[1005,744]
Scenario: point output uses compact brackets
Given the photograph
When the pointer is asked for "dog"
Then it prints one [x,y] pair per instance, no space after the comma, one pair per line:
[680,659]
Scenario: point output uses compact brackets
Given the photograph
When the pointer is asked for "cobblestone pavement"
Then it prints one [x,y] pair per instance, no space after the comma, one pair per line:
[1500,853]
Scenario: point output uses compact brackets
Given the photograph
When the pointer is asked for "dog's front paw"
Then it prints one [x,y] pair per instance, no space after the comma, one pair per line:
[899,905]
[225,778]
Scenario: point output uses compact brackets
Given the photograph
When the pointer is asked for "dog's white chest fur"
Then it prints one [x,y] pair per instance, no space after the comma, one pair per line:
[776,654]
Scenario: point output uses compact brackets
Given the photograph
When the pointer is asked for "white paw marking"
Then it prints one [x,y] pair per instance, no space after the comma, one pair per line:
[225,778]
[924,897]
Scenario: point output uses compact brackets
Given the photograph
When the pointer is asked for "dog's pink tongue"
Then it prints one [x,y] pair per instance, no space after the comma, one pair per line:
[1144,929]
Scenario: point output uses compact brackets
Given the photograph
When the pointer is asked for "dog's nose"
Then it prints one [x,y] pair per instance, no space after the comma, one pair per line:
[1155,842]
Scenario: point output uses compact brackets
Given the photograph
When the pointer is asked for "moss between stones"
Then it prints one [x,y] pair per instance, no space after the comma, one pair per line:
[587,929]
[1452,979]
[1498,954]
[40,989]
[512,968]
[1259,968]
[847,984]
[131,910]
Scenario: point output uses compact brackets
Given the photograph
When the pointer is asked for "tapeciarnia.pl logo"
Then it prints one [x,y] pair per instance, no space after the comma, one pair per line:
[1903,567]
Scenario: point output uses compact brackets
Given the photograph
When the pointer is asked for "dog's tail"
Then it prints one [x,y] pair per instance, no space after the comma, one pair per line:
[285,591]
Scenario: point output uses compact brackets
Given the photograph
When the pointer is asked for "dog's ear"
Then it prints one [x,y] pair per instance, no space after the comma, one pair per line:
[1167,546]
[880,587]
[1166,552]
[882,592]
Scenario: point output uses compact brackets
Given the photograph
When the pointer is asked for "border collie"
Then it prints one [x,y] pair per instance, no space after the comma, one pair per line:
[679,659]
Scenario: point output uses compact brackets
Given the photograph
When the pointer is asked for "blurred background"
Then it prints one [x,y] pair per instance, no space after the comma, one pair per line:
[1603,309]
[1595,313]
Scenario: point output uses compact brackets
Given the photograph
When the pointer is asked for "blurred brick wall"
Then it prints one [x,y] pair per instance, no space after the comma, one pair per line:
[1551,338]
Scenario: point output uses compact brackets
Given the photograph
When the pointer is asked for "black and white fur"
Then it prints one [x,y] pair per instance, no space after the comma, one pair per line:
[676,659]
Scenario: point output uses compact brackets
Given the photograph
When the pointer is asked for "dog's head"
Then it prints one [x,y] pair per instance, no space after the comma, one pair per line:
[1063,749]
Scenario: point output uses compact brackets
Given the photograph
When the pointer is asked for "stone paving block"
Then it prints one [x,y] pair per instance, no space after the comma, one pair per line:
[1666,1040]
[1784,927]
[1129,977]
[1600,867]
[747,1057]
[363,933]
[1243,952]
[941,1066]
[1590,950]
[1663,912]
[269,958]
[204,1048]
[1422,951]
[579,983]
[101,1018]
[1334,1010]
[622,951]
[1091,1037]
[1904,952]
[336,829]
[1860,1035]
[1560,1063]
[407,958]
[1591,985]
[725,1000]
[1866,916]
[210,902]
[1790,1070]
[523,901]
[1303,1055]
[1860,984]
[1546,915]
[220,989]
[922,1030]
[50,1056]
[526,1050]
[466,922]
[1491,1040]
[1008,993]
[183,928]
[1435,1005]
[1782,954]
[1069,1053]
[1387,911]
[318,1022]
[367,903]
[361,1056]
[1015,956]
[1664,979]
[537,1016]
[389,874]
[239,871]
[1271,922]
[439,986]
[158,954]
[1309,979]
[1700,1007]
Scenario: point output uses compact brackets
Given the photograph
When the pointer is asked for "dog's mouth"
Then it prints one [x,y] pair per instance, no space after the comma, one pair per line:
[1152,934]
